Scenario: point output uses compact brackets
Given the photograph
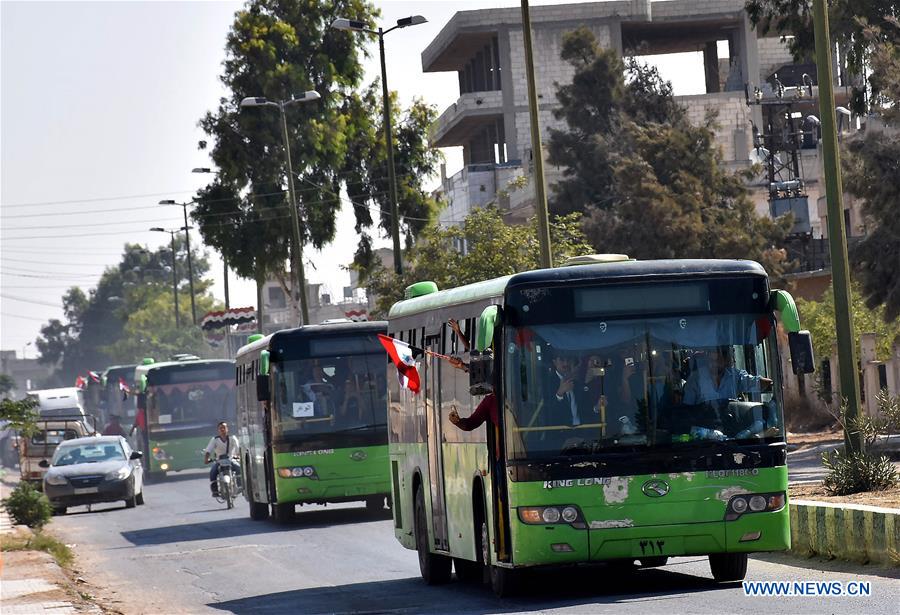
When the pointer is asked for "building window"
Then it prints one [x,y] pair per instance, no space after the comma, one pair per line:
[276,298]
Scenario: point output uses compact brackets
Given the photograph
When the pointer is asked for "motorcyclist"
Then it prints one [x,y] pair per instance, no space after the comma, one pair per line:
[221,445]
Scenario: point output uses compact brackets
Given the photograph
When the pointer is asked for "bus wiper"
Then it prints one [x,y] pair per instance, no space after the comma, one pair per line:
[360,428]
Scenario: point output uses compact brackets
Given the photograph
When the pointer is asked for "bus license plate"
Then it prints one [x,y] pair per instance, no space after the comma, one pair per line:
[85,490]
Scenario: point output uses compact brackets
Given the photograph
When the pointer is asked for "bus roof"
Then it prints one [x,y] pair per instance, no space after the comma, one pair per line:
[119,369]
[313,331]
[141,370]
[624,270]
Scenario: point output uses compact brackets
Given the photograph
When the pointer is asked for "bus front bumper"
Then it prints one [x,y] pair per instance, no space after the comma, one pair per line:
[562,544]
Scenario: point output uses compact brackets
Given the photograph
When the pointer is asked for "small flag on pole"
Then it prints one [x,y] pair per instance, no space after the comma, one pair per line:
[80,382]
[401,354]
[94,376]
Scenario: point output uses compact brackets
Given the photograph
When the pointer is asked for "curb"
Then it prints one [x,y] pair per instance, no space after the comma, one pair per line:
[854,532]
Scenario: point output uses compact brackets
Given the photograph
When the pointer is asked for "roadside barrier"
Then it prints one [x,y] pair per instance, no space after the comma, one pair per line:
[854,532]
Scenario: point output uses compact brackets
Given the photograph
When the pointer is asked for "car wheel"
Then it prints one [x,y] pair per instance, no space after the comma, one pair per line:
[140,498]
[59,510]
[132,501]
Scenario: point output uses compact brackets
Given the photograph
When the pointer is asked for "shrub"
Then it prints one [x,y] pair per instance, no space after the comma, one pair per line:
[27,506]
[850,473]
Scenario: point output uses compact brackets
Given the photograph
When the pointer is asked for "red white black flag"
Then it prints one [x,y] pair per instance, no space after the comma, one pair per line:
[402,356]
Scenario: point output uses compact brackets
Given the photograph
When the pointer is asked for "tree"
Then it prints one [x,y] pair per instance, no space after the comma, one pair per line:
[493,249]
[868,34]
[278,49]
[95,321]
[818,318]
[650,184]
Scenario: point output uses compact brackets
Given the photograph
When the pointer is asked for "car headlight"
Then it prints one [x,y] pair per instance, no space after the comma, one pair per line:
[119,474]
[55,479]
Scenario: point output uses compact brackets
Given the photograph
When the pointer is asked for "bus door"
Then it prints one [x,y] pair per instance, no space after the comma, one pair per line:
[435,442]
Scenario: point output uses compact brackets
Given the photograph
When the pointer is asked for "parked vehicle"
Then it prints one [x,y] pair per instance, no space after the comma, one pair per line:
[41,445]
[93,470]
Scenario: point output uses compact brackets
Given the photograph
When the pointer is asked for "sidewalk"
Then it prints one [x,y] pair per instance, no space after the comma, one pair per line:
[32,581]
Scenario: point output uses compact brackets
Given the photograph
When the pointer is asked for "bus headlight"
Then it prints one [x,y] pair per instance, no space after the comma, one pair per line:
[552,515]
[753,503]
[159,454]
[298,472]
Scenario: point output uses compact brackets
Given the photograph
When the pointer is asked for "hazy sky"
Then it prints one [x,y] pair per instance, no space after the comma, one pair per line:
[99,103]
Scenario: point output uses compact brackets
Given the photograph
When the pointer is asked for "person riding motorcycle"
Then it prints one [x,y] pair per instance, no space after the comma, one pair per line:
[221,445]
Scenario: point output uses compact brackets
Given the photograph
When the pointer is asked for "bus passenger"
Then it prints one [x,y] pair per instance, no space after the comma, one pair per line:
[486,409]
[719,379]
[565,398]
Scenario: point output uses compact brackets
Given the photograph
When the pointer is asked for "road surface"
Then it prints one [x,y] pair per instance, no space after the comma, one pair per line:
[183,552]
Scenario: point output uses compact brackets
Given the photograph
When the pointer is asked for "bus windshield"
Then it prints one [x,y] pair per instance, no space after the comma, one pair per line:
[595,386]
[330,395]
[190,405]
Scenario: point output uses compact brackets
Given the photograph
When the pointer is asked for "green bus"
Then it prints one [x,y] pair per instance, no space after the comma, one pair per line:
[618,436]
[179,405]
[311,406]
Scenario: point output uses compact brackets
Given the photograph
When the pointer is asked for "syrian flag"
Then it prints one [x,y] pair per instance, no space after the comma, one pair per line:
[94,376]
[80,382]
[123,387]
[401,354]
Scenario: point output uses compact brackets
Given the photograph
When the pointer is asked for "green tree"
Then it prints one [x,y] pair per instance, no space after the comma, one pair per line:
[818,318]
[493,249]
[21,415]
[278,49]
[96,320]
[650,184]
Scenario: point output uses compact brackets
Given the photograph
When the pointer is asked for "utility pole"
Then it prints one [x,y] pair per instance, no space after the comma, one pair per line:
[537,153]
[297,252]
[389,145]
[837,240]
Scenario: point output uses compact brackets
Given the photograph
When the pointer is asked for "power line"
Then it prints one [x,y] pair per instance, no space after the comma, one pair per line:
[23,300]
[95,199]
[8,315]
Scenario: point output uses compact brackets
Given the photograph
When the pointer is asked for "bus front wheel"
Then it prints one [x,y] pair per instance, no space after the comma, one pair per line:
[282,513]
[727,567]
[435,569]
[504,581]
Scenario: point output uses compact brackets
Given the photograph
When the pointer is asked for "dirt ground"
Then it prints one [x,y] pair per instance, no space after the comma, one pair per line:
[807,440]
[886,499]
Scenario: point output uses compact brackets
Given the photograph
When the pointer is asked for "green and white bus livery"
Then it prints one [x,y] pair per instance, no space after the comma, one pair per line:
[311,418]
[640,417]
[179,405]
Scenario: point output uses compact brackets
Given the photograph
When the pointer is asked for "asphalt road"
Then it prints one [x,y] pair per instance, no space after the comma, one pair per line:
[183,552]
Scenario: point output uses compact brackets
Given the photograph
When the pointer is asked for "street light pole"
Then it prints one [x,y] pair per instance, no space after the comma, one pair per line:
[837,240]
[360,26]
[174,271]
[297,256]
[187,241]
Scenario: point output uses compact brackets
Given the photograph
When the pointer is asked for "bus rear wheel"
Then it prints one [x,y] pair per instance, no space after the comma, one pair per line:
[727,567]
[435,569]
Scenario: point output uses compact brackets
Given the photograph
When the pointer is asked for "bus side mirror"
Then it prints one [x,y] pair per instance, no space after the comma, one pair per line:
[262,388]
[481,372]
[802,358]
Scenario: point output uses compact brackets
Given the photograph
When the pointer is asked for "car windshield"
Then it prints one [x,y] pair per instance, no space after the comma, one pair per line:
[594,386]
[88,453]
[330,395]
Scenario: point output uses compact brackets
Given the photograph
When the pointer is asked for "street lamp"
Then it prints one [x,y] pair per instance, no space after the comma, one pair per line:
[187,241]
[224,258]
[159,229]
[360,26]
[297,265]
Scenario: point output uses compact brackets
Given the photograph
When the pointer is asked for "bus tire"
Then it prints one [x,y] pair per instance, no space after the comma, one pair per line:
[467,571]
[727,567]
[654,562]
[504,581]
[259,511]
[375,503]
[59,510]
[282,513]
[436,569]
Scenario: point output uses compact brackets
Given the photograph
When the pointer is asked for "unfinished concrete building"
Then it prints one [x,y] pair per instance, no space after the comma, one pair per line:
[490,119]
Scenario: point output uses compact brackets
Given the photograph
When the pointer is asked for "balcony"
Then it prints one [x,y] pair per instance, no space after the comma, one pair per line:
[466,117]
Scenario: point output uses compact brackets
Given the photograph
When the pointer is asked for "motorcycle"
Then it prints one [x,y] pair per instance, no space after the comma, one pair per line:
[228,481]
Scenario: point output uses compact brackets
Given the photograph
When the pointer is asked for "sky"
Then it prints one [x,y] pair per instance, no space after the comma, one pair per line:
[99,104]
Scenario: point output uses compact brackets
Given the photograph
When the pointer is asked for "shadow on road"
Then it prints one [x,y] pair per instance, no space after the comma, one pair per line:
[229,528]
[543,590]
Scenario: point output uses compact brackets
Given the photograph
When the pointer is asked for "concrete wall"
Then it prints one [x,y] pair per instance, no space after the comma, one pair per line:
[772,55]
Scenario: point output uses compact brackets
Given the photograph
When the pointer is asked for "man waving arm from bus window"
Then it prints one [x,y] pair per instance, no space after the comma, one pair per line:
[487,409]
[456,361]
